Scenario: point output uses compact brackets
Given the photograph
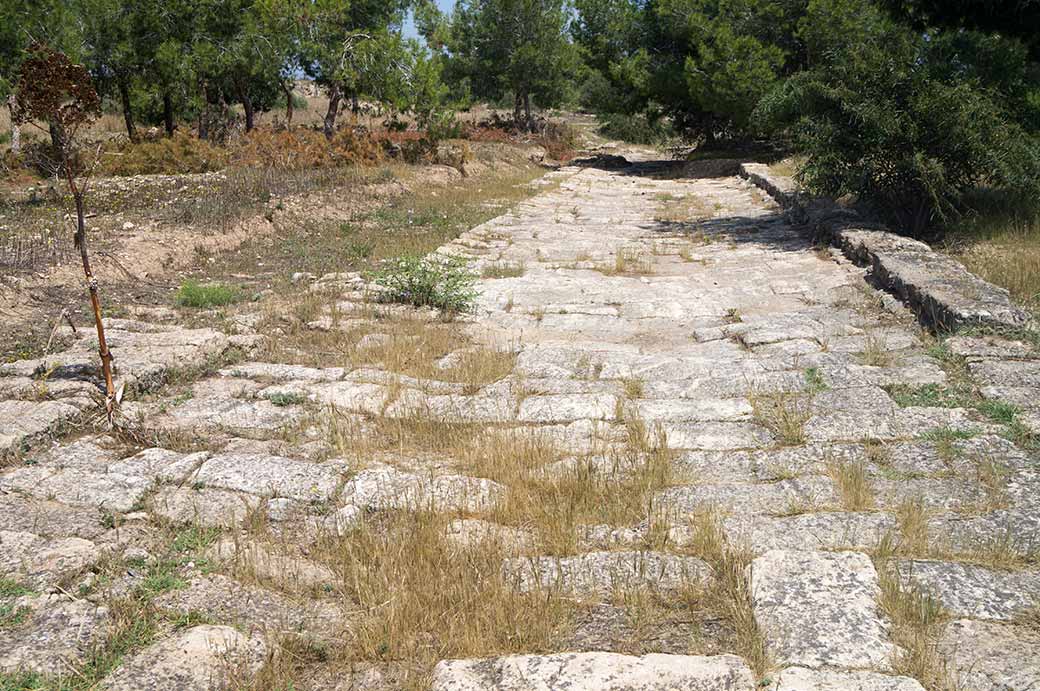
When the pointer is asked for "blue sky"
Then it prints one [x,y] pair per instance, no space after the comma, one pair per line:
[409,27]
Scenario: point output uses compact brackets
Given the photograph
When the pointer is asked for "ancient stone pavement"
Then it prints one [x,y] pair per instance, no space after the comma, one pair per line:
[802,415]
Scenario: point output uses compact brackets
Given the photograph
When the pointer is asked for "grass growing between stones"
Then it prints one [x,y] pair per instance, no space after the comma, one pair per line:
[729,591]
[422,599]
[853,484]
[918,620]
[783,414]
[408,346]
[199,295]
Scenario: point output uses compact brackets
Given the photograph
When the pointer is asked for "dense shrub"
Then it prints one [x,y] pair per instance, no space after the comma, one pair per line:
[302,149]
[445,283]
[880,118]
[637,129]
[181,153]
[559,140]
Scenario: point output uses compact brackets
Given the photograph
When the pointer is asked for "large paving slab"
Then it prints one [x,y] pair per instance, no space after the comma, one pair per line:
[594,671]
[820,609]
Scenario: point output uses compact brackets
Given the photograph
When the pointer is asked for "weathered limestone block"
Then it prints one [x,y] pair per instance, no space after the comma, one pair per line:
[254,610]
[802,679]
[203,658]
[810,531]
[110,492]
[974,591]
[22,422]
[567,408]
[987,656]
[820,609]
[600,573]
[271,476]
[56,634]
[271,565]
[593,672]
[213,508]
[785,496]
[41,563]
[383,488]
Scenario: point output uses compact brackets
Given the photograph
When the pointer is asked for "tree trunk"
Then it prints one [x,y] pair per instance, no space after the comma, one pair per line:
[527,112]
[167,105]
[204,114]
[16,131]
[518,103]
[128,116]
[287,87]
[247,106]
[355,105]
[330,116]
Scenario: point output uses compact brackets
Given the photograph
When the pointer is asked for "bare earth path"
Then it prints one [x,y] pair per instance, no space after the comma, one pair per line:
[725,455]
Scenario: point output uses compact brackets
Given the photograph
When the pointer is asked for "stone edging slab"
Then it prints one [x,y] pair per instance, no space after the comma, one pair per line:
[944,294]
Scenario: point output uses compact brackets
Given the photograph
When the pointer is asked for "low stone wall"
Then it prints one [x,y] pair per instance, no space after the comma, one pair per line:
[944,294]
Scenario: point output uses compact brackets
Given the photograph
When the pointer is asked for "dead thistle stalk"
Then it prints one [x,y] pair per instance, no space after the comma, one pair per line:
[54,90]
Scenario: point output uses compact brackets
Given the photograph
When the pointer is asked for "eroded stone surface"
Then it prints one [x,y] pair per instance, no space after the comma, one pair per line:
[802,679]
[590,671]
[601,573]
[57,633]
[820,609]
[202,658]
[974,591]
[988,656]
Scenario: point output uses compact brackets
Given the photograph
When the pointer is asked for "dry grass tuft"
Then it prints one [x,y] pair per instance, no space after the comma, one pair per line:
[783,414]
[918,620]
[853,483]
[875,352]
[729,593]
[629,261]
[422,600]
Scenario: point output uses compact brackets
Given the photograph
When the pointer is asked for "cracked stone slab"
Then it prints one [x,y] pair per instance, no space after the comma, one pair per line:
[820,609]
[810,531]
[974,591]
[41,563]
[383,487]
[988,656]
[22,422]
[594,671]
[58,633]
[107,491]
[802,679]
[769,498]
[601,573]
[252,609]
[270,476]
[202,658]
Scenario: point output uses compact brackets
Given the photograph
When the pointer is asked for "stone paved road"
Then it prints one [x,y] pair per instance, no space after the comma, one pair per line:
[791,397]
